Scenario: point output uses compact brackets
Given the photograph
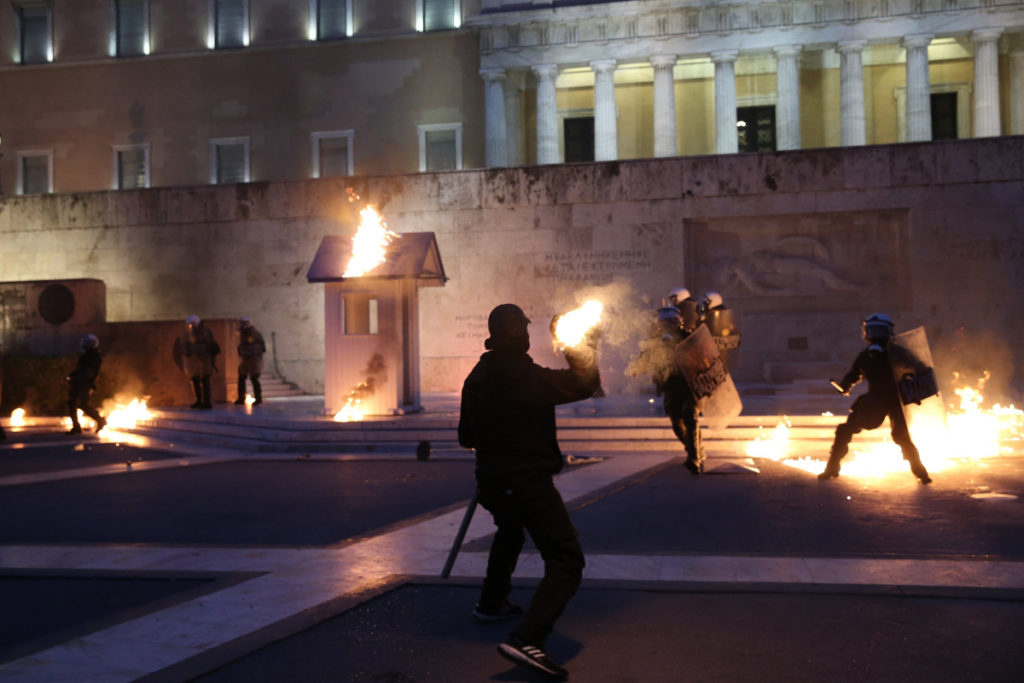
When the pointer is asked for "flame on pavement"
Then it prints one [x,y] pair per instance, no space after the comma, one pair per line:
[352,411]
[971,433]
[572,327]
[128,416]
[18,418]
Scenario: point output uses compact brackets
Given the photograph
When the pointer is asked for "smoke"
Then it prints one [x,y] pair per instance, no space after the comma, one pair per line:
[625,323]
[375,372]
[965,357]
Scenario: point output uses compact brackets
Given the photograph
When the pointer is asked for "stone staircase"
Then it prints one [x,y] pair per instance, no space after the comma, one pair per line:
[275,387]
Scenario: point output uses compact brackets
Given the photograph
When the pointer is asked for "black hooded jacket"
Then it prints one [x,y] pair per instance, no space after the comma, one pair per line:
[508,412]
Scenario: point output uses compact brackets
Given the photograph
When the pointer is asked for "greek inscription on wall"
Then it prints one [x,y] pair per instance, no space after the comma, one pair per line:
[470,326]
[592,267]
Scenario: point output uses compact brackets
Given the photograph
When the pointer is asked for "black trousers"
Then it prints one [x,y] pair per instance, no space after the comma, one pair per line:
[682,410]
[78,399]
[868,412]
[532,505]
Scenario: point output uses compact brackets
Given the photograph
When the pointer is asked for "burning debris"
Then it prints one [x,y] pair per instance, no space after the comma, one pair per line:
[128,416]
[352,410]
[18,418]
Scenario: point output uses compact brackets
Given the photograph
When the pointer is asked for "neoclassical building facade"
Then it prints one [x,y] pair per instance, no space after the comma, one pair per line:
[654,78]
[125,94]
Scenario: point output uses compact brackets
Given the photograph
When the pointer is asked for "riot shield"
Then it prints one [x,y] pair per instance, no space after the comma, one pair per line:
[721,323]
[688,310]
[911,362]
[698,359]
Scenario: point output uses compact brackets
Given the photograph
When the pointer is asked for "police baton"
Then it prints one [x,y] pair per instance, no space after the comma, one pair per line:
[466,519]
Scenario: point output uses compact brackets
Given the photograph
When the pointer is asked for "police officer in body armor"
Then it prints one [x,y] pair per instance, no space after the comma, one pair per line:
[198,350]
[677,398]
[881,400]
[721,324]
[251,348]
[684,302]
[82,381]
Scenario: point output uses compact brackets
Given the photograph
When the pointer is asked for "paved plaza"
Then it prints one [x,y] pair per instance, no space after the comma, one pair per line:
[130,559]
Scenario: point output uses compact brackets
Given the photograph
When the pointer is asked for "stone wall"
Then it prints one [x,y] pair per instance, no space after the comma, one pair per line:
[801,244]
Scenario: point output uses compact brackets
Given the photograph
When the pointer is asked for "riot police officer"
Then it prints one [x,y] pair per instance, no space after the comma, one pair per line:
[251,348]
[198,351]
[721,324]
[81,383]
[684,302]
[881,400]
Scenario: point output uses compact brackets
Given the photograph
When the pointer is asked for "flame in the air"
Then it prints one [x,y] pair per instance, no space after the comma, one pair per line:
[572,327]
[369,245]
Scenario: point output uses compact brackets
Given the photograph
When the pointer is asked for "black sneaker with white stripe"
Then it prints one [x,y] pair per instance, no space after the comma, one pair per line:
[524,654]
[506,611]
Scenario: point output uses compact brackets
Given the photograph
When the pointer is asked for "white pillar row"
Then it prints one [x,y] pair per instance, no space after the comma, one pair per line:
[514,86]
[606,135]
[726,141]
[851,93]
[919,102]
[787,108]
[986,82]
[496,151]
[664,105]
[1017,91]
[547,114]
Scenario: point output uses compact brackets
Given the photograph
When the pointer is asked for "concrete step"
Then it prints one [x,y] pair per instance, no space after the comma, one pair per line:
[239,430]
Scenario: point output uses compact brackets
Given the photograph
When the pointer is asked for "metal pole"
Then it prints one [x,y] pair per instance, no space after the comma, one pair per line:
[466,519]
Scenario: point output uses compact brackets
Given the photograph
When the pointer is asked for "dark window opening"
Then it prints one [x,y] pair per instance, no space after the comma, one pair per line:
[579,138]
[755,128]
[331,19]
[944,123]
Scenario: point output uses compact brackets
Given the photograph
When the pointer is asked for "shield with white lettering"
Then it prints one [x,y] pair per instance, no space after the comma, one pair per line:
[911,360]
[699,361]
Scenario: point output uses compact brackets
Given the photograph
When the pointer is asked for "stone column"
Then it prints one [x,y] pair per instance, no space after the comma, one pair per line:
[787,110]
[986,82]
[514,87]
[851,93]
[726,141]
[606,136]
[547,114]
[664,105]
[919,102]
[496,152]
[1017,91]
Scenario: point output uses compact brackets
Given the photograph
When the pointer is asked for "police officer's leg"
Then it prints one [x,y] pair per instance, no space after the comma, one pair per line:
[901,435]
[547,520]
[694,452]
[207,399]
[76,428]
[92,412]
[241,389]
[257,390]
[197,389]
[863,415]
[505,548]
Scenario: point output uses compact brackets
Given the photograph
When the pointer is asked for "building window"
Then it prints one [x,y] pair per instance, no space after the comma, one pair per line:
[332,154]
[35,25]
[131,28]
[330,19]
[229,23]
[944,120]
[35,172]
[578,132]
[441,147]
[755,128]
[229,160]
[438,15]
[131,167]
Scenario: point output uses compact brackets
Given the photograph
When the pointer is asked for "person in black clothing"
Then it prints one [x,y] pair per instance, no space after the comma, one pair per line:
[508,417]
[881,400]
[82,381]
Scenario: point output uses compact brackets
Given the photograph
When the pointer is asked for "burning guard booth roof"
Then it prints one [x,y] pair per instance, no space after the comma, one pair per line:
[411,255]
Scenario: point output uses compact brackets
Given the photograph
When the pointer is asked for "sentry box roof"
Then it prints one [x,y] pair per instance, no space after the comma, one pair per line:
[412,255]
